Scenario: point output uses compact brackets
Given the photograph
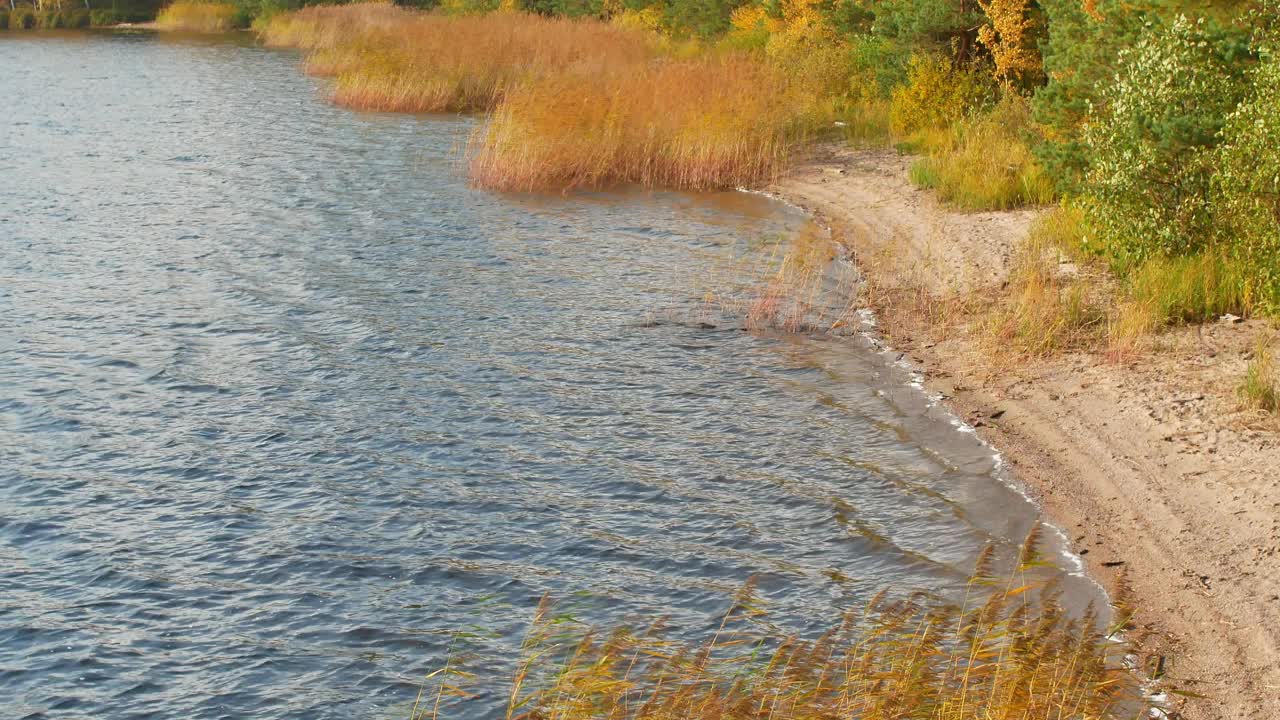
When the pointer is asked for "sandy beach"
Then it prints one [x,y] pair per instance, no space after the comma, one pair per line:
[1150,464]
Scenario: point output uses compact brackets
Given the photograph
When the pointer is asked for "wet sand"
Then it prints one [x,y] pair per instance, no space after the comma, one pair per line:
[1151,465]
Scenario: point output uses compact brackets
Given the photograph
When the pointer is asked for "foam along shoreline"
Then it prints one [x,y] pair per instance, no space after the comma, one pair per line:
[1146,467]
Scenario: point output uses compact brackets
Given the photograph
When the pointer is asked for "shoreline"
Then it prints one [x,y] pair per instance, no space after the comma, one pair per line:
[1147,465]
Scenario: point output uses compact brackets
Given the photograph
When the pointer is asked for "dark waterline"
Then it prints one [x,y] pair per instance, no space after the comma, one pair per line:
[284,403]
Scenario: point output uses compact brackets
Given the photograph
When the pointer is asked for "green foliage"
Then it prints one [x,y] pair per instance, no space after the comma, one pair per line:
[1152,155]
[877,64]
[566,8]
[699,18]
[56,19]
[1190,288]
[134,10]
[941,24]
[1080,57]
[1247,184]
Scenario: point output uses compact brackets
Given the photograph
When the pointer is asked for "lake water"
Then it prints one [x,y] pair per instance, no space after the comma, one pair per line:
[284,403]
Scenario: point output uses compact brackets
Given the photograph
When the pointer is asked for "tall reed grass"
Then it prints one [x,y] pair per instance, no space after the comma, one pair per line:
[1010,652]
[575,103]
[707,122]
[393,59]
[199,16]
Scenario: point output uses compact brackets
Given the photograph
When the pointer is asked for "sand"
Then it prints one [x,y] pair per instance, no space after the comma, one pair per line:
[1151,465]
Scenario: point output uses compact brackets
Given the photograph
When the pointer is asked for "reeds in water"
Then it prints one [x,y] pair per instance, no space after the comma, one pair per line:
[198,16]
[392,59]
[1009,653]
[575,103]
[708,122]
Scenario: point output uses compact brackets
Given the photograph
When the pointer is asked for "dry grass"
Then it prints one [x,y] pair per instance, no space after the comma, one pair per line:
[1055,300]
[1061,298]
[806,287]
[1009,653]
[387,58]
[707,122]
[198,16]
[575,103]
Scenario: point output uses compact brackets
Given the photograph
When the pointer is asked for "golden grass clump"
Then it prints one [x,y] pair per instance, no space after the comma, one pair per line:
[392,59]
[198,16]
[800,285]
[1009,653]
[327,26]
[574,102]
[713,121]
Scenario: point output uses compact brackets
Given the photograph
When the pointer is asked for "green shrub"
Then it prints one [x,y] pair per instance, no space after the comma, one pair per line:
[136,10]
[949,25]
[4,19]
[1080,56]
[1247,185]
[1148,190]
[878,65]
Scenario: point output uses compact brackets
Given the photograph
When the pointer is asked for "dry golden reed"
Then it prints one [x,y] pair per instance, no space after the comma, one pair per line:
[393,59]
[575,102]
[197,16]
[714,121]
[1010,652]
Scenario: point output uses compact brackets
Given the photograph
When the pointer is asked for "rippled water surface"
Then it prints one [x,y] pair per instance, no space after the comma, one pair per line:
[283,402]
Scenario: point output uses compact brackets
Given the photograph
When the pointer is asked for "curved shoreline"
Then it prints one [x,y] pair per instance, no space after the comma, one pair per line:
[1149,467]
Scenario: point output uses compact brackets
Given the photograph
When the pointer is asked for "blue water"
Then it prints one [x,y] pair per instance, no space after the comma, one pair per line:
[284,403]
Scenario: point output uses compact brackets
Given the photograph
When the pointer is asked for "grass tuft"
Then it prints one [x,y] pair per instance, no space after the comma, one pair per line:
[388,58]
[983,163]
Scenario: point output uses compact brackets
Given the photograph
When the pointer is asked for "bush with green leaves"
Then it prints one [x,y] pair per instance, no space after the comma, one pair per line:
[943,24]
[1247,184]
[1080,57]
[1148,190]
